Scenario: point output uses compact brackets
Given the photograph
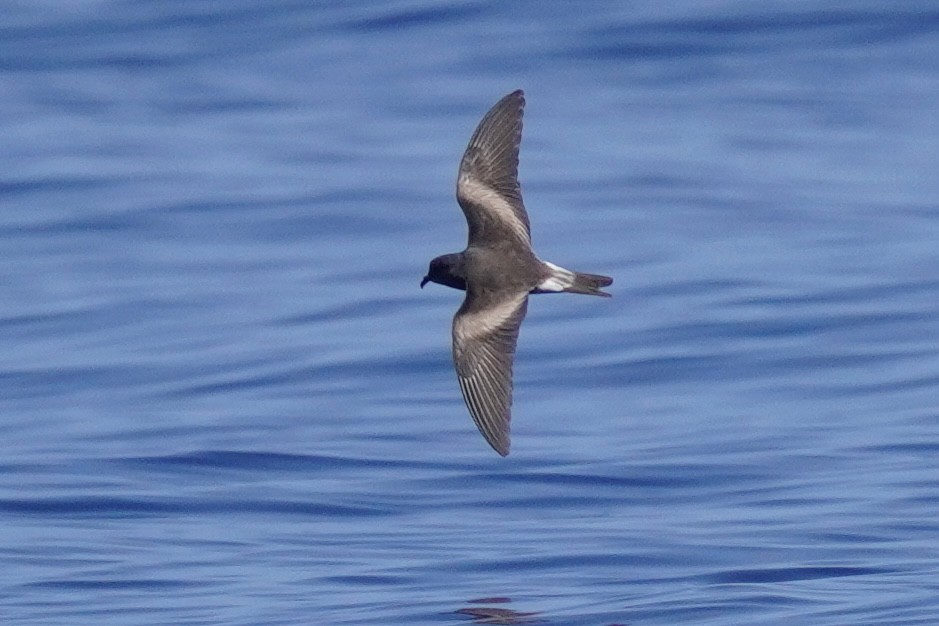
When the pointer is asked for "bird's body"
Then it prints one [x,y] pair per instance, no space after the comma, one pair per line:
[501,267]
[498,270]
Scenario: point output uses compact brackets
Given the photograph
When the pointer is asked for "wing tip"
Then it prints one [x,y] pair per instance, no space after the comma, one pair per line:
[501,446]
[518,96]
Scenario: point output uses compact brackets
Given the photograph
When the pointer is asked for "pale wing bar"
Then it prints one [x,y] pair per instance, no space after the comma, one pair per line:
[487,185]
[484,343]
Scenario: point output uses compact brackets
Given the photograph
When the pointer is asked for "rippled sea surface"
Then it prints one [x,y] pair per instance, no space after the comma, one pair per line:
[225,400]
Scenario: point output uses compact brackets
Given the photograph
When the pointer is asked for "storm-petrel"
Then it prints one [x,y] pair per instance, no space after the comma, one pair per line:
[497,270]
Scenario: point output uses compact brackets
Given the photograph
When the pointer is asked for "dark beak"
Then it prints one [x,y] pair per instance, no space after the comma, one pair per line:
[425,281]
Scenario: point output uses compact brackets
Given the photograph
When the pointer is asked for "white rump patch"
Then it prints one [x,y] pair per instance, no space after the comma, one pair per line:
[552,285]
[559,280]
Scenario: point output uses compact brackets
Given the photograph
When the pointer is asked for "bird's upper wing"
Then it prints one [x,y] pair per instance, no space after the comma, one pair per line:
[487,186]
[485,332]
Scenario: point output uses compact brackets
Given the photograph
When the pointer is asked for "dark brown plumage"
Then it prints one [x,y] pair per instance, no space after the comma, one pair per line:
[498,270]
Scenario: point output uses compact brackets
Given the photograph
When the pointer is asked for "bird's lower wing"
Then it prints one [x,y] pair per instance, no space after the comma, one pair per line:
[485,334]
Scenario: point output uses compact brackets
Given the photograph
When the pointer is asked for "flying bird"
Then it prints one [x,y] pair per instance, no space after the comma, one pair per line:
[498,270]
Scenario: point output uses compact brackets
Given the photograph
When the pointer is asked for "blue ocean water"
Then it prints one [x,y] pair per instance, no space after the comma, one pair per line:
[225,400]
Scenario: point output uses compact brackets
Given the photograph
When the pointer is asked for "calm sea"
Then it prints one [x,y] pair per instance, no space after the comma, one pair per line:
[225,400]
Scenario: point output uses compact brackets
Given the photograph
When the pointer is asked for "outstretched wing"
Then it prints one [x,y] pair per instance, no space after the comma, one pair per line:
[485,333]
[487,186]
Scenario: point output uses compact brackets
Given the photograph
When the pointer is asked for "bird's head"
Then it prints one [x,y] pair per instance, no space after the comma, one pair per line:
[446,270]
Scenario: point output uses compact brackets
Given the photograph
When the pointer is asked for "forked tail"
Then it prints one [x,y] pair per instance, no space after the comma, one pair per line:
[567,281]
